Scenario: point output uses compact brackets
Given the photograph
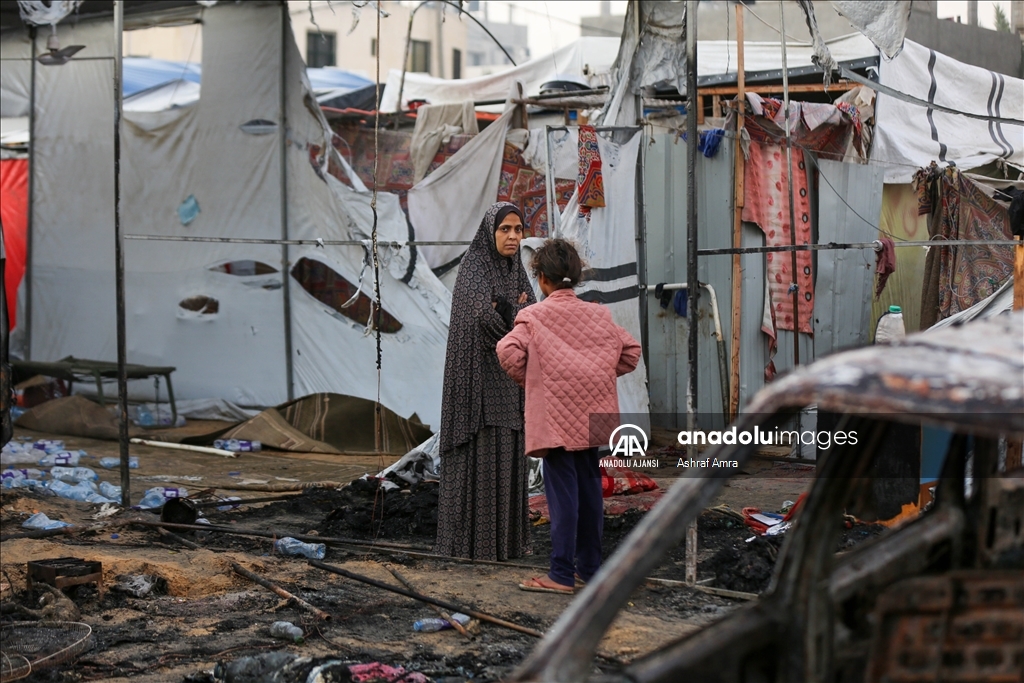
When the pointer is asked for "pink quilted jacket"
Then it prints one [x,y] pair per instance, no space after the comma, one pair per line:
[567,353]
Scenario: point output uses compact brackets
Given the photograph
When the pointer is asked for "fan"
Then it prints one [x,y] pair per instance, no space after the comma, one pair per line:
[57,55]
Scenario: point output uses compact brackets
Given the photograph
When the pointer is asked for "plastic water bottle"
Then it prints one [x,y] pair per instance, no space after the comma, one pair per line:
[436,624]
[62,458]
[890,327]
[80,491]
[110,491]
[229,506]
[286,630]
[112,463]
[143,417]
[74,474]
[238,445]
[23,483]
[293,546]
[158,495]
[28,473]
[41,521]
[49,445]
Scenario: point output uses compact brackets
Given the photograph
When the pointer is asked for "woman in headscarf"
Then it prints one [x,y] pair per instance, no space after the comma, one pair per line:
[482,509]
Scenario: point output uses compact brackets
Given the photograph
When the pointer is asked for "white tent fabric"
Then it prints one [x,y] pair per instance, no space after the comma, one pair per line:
[200,156]
[909,136]
[179,93]
[579,58]
[450,203]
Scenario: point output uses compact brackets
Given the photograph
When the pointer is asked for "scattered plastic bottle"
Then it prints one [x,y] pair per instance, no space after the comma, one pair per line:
[61,458]
[890,326]
[238,445]
[110,491]
[229,506]
[293,546]
[74,474]
[437,624]
[143,417]
[41,521]
[27,473]
[14,453]
[80,491]
[113,463]
[158,495]
[286,630]
[23,483]
[49,445]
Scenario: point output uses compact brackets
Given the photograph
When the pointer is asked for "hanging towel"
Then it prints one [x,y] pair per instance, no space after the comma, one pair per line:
[885,264]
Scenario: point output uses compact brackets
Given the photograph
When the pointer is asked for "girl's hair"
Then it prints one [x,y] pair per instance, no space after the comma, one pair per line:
[558,260]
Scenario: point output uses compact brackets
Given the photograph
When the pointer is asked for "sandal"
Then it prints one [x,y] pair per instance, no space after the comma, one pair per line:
[534,585]
[579,581]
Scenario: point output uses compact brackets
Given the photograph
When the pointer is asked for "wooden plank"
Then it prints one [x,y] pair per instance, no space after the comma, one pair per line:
[839,86]
[737,231]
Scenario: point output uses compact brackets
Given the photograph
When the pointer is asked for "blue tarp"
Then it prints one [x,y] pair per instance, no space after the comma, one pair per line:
[142,73]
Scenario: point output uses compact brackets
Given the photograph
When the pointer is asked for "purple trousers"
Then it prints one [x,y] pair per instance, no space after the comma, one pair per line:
[572,484]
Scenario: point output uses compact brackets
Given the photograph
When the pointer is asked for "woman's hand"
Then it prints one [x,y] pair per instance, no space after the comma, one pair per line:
[522,298]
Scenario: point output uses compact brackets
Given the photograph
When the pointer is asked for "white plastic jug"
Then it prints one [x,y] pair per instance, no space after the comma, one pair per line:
[890,327]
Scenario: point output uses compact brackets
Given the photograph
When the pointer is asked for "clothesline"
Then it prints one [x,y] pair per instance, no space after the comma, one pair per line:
[308,243]
[875,245]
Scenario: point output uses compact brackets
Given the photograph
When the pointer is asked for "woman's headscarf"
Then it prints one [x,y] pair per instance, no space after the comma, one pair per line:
[477,392]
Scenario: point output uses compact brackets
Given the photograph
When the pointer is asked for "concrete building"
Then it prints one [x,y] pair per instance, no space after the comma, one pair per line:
[966,42]
[484,56]
[438,47]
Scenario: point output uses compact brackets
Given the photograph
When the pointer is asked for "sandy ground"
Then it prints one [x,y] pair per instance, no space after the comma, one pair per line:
[208,614]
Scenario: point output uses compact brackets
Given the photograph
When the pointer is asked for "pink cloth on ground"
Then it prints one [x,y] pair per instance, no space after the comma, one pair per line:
[567,353]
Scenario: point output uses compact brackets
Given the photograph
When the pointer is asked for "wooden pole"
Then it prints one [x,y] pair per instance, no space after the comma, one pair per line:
[440,612]
[737,225]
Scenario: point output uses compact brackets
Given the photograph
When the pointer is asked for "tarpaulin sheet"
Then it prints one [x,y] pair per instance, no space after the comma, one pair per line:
[14,216]
[909,136]
[586,55]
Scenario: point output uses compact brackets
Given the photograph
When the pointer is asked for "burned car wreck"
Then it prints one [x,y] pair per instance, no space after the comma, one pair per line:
[940,597]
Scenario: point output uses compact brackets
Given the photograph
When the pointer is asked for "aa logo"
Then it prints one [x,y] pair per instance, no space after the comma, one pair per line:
[628,441]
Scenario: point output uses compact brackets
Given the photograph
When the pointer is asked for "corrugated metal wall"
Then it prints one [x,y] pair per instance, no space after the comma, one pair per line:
[843,288]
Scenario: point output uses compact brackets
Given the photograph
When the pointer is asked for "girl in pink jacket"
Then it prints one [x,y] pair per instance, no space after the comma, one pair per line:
[567,353]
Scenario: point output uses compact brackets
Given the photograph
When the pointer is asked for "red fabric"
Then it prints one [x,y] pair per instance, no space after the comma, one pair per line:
[613,505]
[618,481]
[14,215]
[766,202]
[760,527]
[521,185]
[568,353]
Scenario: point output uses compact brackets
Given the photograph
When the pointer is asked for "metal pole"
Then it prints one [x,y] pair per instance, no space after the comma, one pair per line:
[122,352]
[789,182]
[405,59]
[737,225]
[691,257]
[31,200]
[285,256]
[549,176]
[691,217]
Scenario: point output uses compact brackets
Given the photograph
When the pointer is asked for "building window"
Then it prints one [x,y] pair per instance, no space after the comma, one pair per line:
[320,50]
[373,47]
[476,58]
[456,63]
[419,57]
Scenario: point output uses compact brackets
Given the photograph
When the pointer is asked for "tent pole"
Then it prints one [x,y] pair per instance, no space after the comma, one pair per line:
[27,277]
[789,182]
[285,264]
[693,288]
[122,352]
[549,177]
[737,225]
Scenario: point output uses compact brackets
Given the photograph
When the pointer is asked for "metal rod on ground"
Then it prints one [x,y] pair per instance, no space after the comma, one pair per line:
[710,590]
[276,533]
[315,611]
[692,141]
[122,350]
[482,616]
[277,488]
[440,612]
[737,226]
